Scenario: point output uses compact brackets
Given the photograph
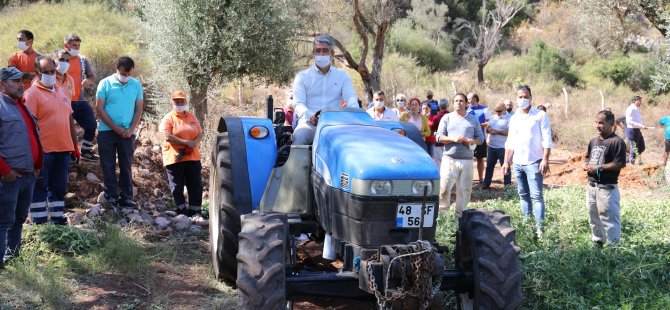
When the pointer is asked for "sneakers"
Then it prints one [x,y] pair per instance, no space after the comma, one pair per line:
[89,156]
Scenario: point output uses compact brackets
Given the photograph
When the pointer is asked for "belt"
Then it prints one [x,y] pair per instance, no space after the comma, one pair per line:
[605,186]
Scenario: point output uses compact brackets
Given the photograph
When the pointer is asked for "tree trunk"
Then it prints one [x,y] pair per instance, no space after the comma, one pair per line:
[199,100]
[480,73]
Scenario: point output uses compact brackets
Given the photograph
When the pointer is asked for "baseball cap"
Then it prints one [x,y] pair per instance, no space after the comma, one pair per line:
[179,94]
[10,73]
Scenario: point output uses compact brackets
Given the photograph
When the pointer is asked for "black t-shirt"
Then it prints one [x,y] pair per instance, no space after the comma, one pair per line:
[601,152]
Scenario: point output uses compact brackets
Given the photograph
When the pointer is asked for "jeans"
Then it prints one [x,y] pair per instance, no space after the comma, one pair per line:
[51,186]
[495,155]
[455,172]
[186,173]
[604,218]
[636,141]
[15,200]
[529,185]
[109,145]
[83,115]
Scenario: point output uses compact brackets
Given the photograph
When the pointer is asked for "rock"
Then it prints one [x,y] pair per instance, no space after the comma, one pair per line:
[74,218]
[157,192]
[127,211]
[122,223]
[70,196]
[147,218]
[198,220]
[135,218]
[92,178]
[166,232]
[195,229]
[101,198]
[156,149]
[72,177]
[162,222]
[161,207]
[171,213]
[134,191]
[181,222]
[94,211]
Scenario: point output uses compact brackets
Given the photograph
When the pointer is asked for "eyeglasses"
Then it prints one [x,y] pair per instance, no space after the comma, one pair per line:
[63,60]
[399,100]
[321,51]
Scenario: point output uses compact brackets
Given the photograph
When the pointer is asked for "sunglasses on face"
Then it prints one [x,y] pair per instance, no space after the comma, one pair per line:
[63,60]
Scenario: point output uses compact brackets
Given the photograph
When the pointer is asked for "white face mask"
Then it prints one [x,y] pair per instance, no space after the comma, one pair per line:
[48,80]
[322,61]
[180,108]
[63,67]
[523,103]
[400,104]
[122,79]
[379,104]
[73,52]
[22,45]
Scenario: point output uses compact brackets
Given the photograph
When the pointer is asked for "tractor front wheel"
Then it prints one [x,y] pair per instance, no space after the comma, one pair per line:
[261,262]
[487,248]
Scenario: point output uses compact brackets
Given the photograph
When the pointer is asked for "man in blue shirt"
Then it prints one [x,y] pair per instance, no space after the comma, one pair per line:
[120,104]
[431,102]
[482,114]
[665,123]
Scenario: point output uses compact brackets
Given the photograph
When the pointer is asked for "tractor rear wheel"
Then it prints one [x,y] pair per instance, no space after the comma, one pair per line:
[224,222]
[487,248]
[261,262]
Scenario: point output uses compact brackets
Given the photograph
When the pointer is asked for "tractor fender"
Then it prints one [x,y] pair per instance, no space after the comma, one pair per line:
[252,159]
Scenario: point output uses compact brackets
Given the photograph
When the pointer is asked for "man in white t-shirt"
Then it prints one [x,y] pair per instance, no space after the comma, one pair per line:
[497,136]
[379,111]
[633,125]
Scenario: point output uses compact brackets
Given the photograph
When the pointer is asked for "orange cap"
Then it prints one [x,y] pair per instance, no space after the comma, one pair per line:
[179,94]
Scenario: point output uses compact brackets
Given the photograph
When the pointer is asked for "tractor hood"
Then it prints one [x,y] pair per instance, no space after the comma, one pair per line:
[350,145]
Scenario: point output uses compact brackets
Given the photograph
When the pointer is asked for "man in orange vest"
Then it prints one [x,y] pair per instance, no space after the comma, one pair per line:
[24,60]
[82,73]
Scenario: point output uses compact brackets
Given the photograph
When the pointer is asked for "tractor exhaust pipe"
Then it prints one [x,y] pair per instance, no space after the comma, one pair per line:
[269,106]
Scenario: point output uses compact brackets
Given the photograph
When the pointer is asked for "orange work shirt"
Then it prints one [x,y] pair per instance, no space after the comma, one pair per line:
[182,125]
[53,110]
[24,62]
[66,85]
[75,72]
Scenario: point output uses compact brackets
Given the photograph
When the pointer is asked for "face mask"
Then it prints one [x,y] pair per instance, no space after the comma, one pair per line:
[123,79]
[62,67]
[48,80]
[523,103]
[73,52]
[22,45]
[401,104]
[430,97]
[180,108]
[379,104]
[322,61]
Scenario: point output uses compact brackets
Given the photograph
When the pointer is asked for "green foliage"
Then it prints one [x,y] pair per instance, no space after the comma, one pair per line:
[119,253]
[412,41]
[208,40]
[548,60]
[66,240]
[632,70]
[106,35]
[564,271]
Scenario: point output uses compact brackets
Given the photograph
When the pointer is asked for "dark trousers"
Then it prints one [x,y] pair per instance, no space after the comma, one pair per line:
[636,141]
[51,186]
[83,115]
[15,200]
[493,156]
[109,146]
[186,173]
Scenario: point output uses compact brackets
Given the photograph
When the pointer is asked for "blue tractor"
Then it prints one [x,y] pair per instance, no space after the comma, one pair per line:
[366,194]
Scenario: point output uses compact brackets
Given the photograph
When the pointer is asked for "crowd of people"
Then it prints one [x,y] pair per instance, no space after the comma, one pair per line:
[42,98]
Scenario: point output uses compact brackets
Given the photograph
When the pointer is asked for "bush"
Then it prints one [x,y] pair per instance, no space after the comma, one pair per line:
[65,239]
[548,60]
[623,70]
[407,40]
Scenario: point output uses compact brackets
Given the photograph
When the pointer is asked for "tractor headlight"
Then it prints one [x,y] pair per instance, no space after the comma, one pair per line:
[417,187]
[381,187]
[400,131]
[258,132]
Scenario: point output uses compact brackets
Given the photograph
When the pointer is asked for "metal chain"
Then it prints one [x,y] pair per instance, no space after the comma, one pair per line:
[421,256]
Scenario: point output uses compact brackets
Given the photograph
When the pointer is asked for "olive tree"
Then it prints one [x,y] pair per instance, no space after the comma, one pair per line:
[205,41]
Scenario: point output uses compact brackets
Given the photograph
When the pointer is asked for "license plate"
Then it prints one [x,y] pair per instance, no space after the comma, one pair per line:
[409,215]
